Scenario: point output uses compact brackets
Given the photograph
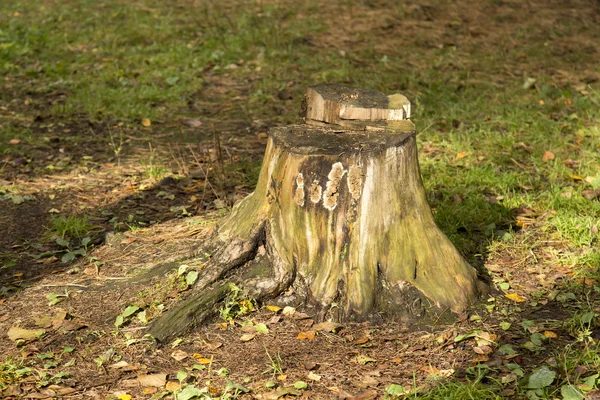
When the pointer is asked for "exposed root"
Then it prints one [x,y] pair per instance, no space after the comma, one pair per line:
[266,277]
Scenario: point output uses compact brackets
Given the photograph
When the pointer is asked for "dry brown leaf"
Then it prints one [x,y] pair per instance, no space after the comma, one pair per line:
[310,335]
[313,377]
[153,380]
[192,123]
[328,326]
[482,349]
[119,365]
[213,345]
[59,319]
[14,141]
[247,337]
[396,360]
[362,340]
[548,156]
[179,355]
[288,311]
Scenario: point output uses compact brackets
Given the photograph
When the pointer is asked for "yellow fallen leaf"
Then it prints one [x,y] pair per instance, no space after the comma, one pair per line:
[310,335]
[273,308]
[201,359]
[577,177]
[515,297]
[146,122]
[550,334]
[282,377]
[149,390]
[172,386]
[461,155]
[396,360]
[124,397]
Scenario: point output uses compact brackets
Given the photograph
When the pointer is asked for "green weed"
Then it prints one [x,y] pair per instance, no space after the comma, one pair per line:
[71,226]
[12,371]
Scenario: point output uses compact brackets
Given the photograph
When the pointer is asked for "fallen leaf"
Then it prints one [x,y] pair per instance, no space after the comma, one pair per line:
[367,381]
[366,395]
[362,359]
[515,297]
[201,359]
[461,155]
[396,360]
[192,123]
[179,355]
[548,155]
[213,345]
[482,349]
[44,321]
[124,397]
[172,386]
[313,377]
[310,335]
[16,333]
[146,122]
[275,309]
[431,370]
[288,311]
[71,325]
[119,365]
[328,326]
[550,334]
[153,380]
[362,340]
[14,141]
[149,390]
[281,377]
[247,337]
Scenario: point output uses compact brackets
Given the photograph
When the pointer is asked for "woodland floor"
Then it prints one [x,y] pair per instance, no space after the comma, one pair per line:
[127,129]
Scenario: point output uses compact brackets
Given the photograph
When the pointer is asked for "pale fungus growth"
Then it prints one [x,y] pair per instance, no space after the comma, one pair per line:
[299,194]
[354,181]
[315,192]
[331,194]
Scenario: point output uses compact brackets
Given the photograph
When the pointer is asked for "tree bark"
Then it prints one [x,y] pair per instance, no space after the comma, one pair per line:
[339,223]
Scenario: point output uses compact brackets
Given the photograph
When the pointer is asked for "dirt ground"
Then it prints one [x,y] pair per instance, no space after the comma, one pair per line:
[139,222]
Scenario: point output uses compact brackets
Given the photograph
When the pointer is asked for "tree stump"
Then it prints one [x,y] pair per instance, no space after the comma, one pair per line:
[339,223]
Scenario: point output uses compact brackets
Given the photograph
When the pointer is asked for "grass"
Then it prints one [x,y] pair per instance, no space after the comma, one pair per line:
[71,226]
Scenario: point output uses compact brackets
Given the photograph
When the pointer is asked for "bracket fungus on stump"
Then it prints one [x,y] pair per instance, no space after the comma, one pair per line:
[339,223]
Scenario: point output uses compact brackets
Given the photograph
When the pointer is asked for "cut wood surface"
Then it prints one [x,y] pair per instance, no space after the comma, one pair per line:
[336,104]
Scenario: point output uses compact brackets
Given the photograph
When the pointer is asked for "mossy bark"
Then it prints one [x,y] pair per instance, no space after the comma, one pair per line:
[341,218]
